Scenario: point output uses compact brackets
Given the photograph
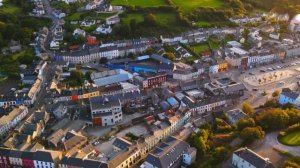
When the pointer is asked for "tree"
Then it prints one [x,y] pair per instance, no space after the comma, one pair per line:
[289,106]
[271,103]
[290,164]
[247,108]
[245,122]
[220,153]
[133,26]
[271,119]
[170,56]
[275,93]
[103,60]
[88,75]
[150,20]
[259,81]
[251,133]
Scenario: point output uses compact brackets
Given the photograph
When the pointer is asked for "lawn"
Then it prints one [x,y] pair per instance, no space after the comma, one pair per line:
[189,5]
[198,48]
[141,3]
[290,139]
[11,9]
[88,15]
[163,19]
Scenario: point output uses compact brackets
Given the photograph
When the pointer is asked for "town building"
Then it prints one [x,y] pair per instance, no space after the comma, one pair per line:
[151,80]
[246,158]
[7,122]
[168,154]
[290,97]
[110,77]
[105,113]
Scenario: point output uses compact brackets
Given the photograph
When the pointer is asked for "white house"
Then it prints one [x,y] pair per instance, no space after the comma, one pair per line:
[246,158]
[79,32]
[54,45]
[87,23]
[274,36]
[104,29]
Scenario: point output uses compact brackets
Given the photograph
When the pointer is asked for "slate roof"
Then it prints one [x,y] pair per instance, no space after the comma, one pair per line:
[43,156]
[292,95]
[84,163]
[96,105]
[121,143]
[168,152]
[4,152]
[253,158]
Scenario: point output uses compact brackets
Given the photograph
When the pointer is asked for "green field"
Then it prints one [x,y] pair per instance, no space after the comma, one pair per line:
[291,139]
[10,9]
[198,48]
[189,5]
[88,15]
[141,3]
[163,19]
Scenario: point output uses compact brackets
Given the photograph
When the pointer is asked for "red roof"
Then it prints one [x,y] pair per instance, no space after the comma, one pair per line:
[73,47]
[91,40]
[150,118]
[169,112]
[207,53]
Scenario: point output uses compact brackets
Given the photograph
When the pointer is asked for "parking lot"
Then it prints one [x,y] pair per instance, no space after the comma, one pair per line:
[265,75]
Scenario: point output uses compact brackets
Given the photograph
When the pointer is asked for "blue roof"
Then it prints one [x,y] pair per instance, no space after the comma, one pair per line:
[172,101]
[164,105]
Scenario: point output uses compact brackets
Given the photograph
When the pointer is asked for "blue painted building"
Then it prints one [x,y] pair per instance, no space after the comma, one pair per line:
[289,97]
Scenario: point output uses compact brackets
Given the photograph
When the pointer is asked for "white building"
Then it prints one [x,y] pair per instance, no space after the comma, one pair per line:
[79,32]
[295,24]
[104,29]
[9,121]
[54,45]
[60,111]
[186,74]
[105,112]
[246,158]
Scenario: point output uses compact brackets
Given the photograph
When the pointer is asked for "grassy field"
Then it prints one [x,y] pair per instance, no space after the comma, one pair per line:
[141,3]
[291,139]
[163,19]
[189,5]
[88,15]
[10,9]
[198,48]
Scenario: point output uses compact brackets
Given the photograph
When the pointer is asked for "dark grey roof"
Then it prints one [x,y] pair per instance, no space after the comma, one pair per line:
[103,104]
[4,152]
[292,95]
[168,152]
[121,143]
[27,155]
[253,158]
[43,156]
